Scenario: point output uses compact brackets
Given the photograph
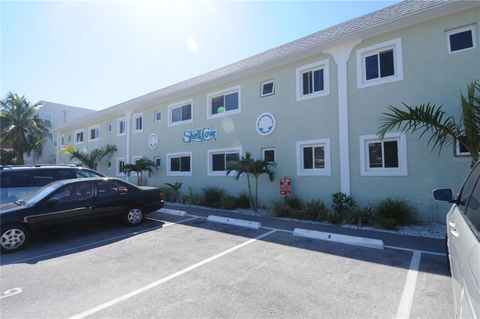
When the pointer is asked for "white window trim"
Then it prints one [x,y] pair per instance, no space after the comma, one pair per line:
[269,149]
[75,136]
[155,116]
[178,105]
[90,131]
[323,64]
[396,45]
[117,166]
[267,82]
[183,154]
[471,27]
[325,142]
[134,121]
[220,150]
[224,92]
[118,126]
[458,153]
[402,169]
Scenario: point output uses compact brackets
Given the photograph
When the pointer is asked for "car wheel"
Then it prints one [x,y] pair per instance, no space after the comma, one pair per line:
[14,237]
[134,216]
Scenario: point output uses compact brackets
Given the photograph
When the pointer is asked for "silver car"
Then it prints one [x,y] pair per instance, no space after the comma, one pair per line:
[463,244]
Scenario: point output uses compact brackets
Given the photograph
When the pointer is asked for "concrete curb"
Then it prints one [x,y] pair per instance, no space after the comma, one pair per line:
[343,239]
[234,221]
[173,212]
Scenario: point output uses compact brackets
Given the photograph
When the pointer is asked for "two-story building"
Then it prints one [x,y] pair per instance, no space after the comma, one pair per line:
[312,106]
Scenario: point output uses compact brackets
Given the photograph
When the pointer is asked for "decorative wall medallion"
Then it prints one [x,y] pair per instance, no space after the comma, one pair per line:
[153,141]
[265,124]
[202,135]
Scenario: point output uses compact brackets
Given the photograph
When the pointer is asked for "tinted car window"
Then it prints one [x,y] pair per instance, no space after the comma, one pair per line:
[110,188]
[85,173]
[473,211]
[74,192]
[38,195]
[468,188]
[14,179]
[42,177]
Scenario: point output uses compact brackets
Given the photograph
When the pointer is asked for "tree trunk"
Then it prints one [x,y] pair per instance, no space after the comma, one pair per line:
[250,199]
[256,193]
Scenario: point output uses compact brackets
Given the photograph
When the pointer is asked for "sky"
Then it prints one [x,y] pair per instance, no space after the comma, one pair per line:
[96,54]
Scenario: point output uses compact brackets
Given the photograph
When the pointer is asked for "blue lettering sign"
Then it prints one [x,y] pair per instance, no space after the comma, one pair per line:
[202,135]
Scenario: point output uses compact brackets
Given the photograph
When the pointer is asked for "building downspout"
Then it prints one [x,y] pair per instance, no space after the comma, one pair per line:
[341,54]
[128,116]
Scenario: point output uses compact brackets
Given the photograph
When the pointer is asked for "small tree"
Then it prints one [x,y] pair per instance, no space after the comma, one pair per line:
[92,159]
[175,187]
[428,118]
[252,169]
[141,165]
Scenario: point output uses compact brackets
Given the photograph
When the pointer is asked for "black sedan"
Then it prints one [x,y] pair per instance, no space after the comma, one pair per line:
[74,201]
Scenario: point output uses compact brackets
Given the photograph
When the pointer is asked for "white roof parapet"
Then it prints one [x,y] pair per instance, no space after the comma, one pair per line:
[394,16]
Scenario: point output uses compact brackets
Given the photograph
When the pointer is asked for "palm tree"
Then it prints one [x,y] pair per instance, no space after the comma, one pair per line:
[91,159]
[141,165]
[431,119]
[22,130]
[252,168]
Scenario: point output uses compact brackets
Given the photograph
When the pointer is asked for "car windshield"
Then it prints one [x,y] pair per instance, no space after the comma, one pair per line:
[39,194]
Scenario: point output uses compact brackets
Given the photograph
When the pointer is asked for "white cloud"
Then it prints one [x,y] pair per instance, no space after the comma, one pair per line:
[192,44]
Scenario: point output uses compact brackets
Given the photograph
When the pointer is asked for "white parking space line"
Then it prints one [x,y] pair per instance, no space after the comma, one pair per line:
[405,306]
[168,278]
[166,224]
[414,250]
[11,292]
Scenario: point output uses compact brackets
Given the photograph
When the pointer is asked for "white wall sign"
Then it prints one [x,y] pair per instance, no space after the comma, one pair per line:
[265,124]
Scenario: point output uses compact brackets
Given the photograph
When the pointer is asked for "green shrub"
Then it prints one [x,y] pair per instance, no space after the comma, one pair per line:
[399,210]
[280,209]
[299,214]
[294,202]
[212,196]
[193,198]
[334,218]
[316,210]
[359,216]
[228,202]
[242,201]
[342,202]
[387,223]
[168,194]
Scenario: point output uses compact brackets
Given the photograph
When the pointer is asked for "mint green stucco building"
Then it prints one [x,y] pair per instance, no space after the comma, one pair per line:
[312,106]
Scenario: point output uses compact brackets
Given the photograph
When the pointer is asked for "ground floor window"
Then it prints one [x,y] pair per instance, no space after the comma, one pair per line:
[179,164]
[313,157]
[268,154]
[220,160]
[119,167]
[387,157]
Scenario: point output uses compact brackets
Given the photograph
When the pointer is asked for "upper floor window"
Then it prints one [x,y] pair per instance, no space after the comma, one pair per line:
[180,113]
[137,123]
[461,39]
[95,133]
[121,126]
[387,157]
[157,116]
[220,160]
[267,88]
[223,102]
[380,63]
[79,137]
[313,157]
[312,80]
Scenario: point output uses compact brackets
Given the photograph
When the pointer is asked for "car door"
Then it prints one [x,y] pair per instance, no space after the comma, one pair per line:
[111,198]
[72,203]
[461,239]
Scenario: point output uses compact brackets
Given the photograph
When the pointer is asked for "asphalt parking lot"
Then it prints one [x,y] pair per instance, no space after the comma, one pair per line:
[174,266]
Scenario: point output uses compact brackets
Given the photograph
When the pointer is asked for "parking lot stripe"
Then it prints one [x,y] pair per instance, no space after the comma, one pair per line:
[428,252]
[168,278]
[405,306]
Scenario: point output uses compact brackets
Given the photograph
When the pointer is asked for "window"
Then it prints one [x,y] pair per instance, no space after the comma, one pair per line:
[268,154]
[461,39]
[220,160]
[95,133]
[180,113]
[156,161]
[312,80]
[267,88]
[109,165]
[48,117]
[157,116]
[121,126]
[110,188]
[120,164]
[313,157]
[387,157]
[109,127]
[223,102]
[380,63]
[62,140]
[179,164]
[79,137]
[74,192]
[472,213]
[138,123]
[467,189]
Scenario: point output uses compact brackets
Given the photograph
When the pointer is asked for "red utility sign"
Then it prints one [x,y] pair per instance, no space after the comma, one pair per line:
[285,186]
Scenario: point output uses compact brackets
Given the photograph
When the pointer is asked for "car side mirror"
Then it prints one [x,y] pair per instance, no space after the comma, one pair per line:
[52,202]
[444,195]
